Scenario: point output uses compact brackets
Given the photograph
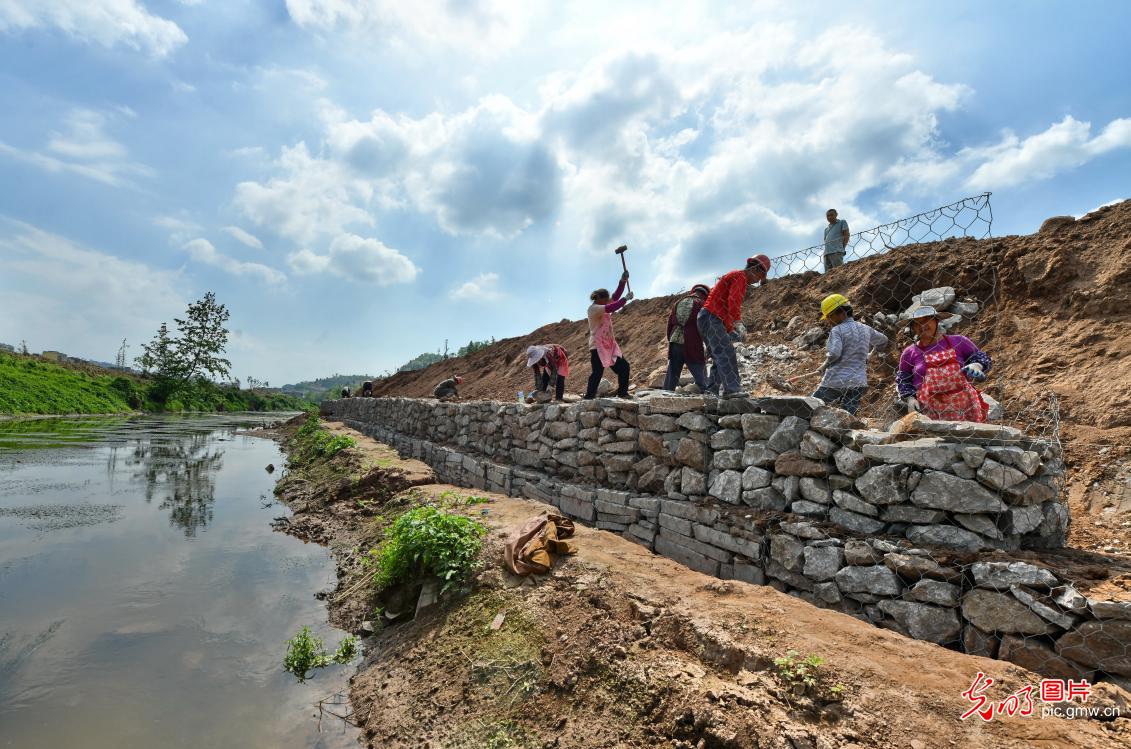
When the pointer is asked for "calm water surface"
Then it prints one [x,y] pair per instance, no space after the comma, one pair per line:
[144,599]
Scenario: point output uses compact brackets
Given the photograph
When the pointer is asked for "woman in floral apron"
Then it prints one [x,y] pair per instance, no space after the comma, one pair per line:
[603,348]
[936,371]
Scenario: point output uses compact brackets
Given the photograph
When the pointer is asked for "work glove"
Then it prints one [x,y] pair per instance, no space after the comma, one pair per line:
[630,296]
[974,371]
[912,404]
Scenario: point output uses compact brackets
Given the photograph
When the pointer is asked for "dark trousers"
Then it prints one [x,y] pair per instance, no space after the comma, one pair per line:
[847,398]
[620,366]
[676,360]
[542,382]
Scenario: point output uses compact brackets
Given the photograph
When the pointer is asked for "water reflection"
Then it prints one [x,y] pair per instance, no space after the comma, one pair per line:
[180,470]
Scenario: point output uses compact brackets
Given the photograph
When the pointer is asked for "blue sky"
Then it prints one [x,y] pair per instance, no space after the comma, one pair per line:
[360,179]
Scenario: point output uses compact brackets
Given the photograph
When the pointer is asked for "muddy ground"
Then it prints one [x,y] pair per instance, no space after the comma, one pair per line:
[617,647]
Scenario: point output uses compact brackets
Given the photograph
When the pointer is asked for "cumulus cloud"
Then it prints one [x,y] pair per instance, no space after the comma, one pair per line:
[313,197]
[482,288]
[87,309]
[358,259]
[203,251]
[1065,145]
[244,237]
[84,148]
[104,22]
[483,27]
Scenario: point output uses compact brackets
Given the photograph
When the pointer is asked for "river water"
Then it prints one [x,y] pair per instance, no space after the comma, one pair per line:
[144,599]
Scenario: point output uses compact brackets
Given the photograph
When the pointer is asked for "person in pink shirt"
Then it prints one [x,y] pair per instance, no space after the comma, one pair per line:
[935,372]
[603,348]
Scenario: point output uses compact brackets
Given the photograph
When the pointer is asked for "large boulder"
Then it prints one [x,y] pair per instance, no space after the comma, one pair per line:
[924,622]
[788,435]
[727,487]
[928,452]
[943,491]
[991,611]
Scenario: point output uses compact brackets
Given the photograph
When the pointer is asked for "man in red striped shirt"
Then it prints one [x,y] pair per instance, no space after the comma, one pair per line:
[721,312]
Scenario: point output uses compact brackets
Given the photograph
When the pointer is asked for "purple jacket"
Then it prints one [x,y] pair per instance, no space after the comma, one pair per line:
[913,362]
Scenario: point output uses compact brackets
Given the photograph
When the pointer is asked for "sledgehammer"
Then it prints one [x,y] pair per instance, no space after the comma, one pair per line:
[620,251]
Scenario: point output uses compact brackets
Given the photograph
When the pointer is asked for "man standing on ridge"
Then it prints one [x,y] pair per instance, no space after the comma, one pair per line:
[836,240]
[721,312]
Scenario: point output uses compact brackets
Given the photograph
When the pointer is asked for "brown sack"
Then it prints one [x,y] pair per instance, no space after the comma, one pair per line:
[532,547]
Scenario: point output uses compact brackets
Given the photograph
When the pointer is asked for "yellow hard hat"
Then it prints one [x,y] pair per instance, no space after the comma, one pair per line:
[832,303]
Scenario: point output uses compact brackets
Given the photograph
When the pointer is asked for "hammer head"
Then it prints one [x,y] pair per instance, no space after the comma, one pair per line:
[621,250]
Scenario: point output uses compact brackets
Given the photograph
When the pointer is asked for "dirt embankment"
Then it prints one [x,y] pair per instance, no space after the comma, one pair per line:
[618,647]
[1056,315]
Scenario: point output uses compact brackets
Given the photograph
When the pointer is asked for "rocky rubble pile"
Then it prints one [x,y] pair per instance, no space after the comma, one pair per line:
[787,492]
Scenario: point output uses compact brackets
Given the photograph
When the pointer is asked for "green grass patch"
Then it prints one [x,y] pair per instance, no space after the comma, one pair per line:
[29,385]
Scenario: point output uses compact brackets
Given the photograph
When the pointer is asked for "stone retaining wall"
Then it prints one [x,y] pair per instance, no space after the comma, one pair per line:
[786,492]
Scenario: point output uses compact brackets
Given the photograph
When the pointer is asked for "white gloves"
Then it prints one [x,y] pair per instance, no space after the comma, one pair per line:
[629,296]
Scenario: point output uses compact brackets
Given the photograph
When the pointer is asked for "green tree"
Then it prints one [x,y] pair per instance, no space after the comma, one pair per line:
[203,339]
[159,356]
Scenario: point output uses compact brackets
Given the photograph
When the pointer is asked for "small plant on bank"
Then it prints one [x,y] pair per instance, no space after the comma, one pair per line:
[428,541]
[806,676]
[307,652]
[314,441]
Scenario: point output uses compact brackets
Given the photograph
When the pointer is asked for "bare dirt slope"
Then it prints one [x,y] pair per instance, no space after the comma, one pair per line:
[1056,318]
[618,647]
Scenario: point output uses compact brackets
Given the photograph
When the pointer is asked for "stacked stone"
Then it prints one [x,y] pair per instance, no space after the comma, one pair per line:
[772,491]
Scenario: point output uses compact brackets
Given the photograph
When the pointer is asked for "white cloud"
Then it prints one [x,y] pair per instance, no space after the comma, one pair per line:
[482,288]
[84,148]
[313,198]
[483,27]
[202,251]
[104,22]
[1065,145]
[358,259]
[244,236]
[64,296]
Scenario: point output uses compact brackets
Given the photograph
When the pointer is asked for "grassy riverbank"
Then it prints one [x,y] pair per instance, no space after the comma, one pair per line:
[29,385]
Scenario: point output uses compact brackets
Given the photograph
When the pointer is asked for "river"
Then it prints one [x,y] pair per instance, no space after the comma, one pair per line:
[144,599]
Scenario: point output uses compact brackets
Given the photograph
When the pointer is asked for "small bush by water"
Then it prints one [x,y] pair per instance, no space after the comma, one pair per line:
[307,652]
[312,441]
[429,541]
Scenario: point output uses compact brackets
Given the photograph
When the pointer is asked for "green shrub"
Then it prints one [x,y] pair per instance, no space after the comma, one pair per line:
[427,541]
[306,652]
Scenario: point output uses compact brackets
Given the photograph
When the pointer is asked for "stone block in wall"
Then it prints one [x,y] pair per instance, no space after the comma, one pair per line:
[860,553]
[947,536]
[821,563]
[527,458]
[876,580]
[693,454]
[787,551]
[884,485]
[809,509]
[706,550]
[758,454]
[695,422]
[1032,491]
[657,423]
[791,579]
[911,514]
[942,491]
[998,475]
[615,463]
[923,621]
[589,420]
[1031,653]
[612,525]
[834,422]
[749,548]
[977,642]
[582,509]
[685,556]
[788,435]
[766,498]
[1041,605]
[814,489]
[816,446]
[787,405]
[966,431]
[727,487]
[1026,461]
[756,478]
[727,460]
[852,503]
[792,464]
[850,462]
[749,573]
[1022,520]
[934,591]
[728,439]
[1101,644]
[759,426]
[925,453]
[672,404]
[680,525]
[855,522]
[983,525]
[1002,575]
[912,567]
[992,611]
